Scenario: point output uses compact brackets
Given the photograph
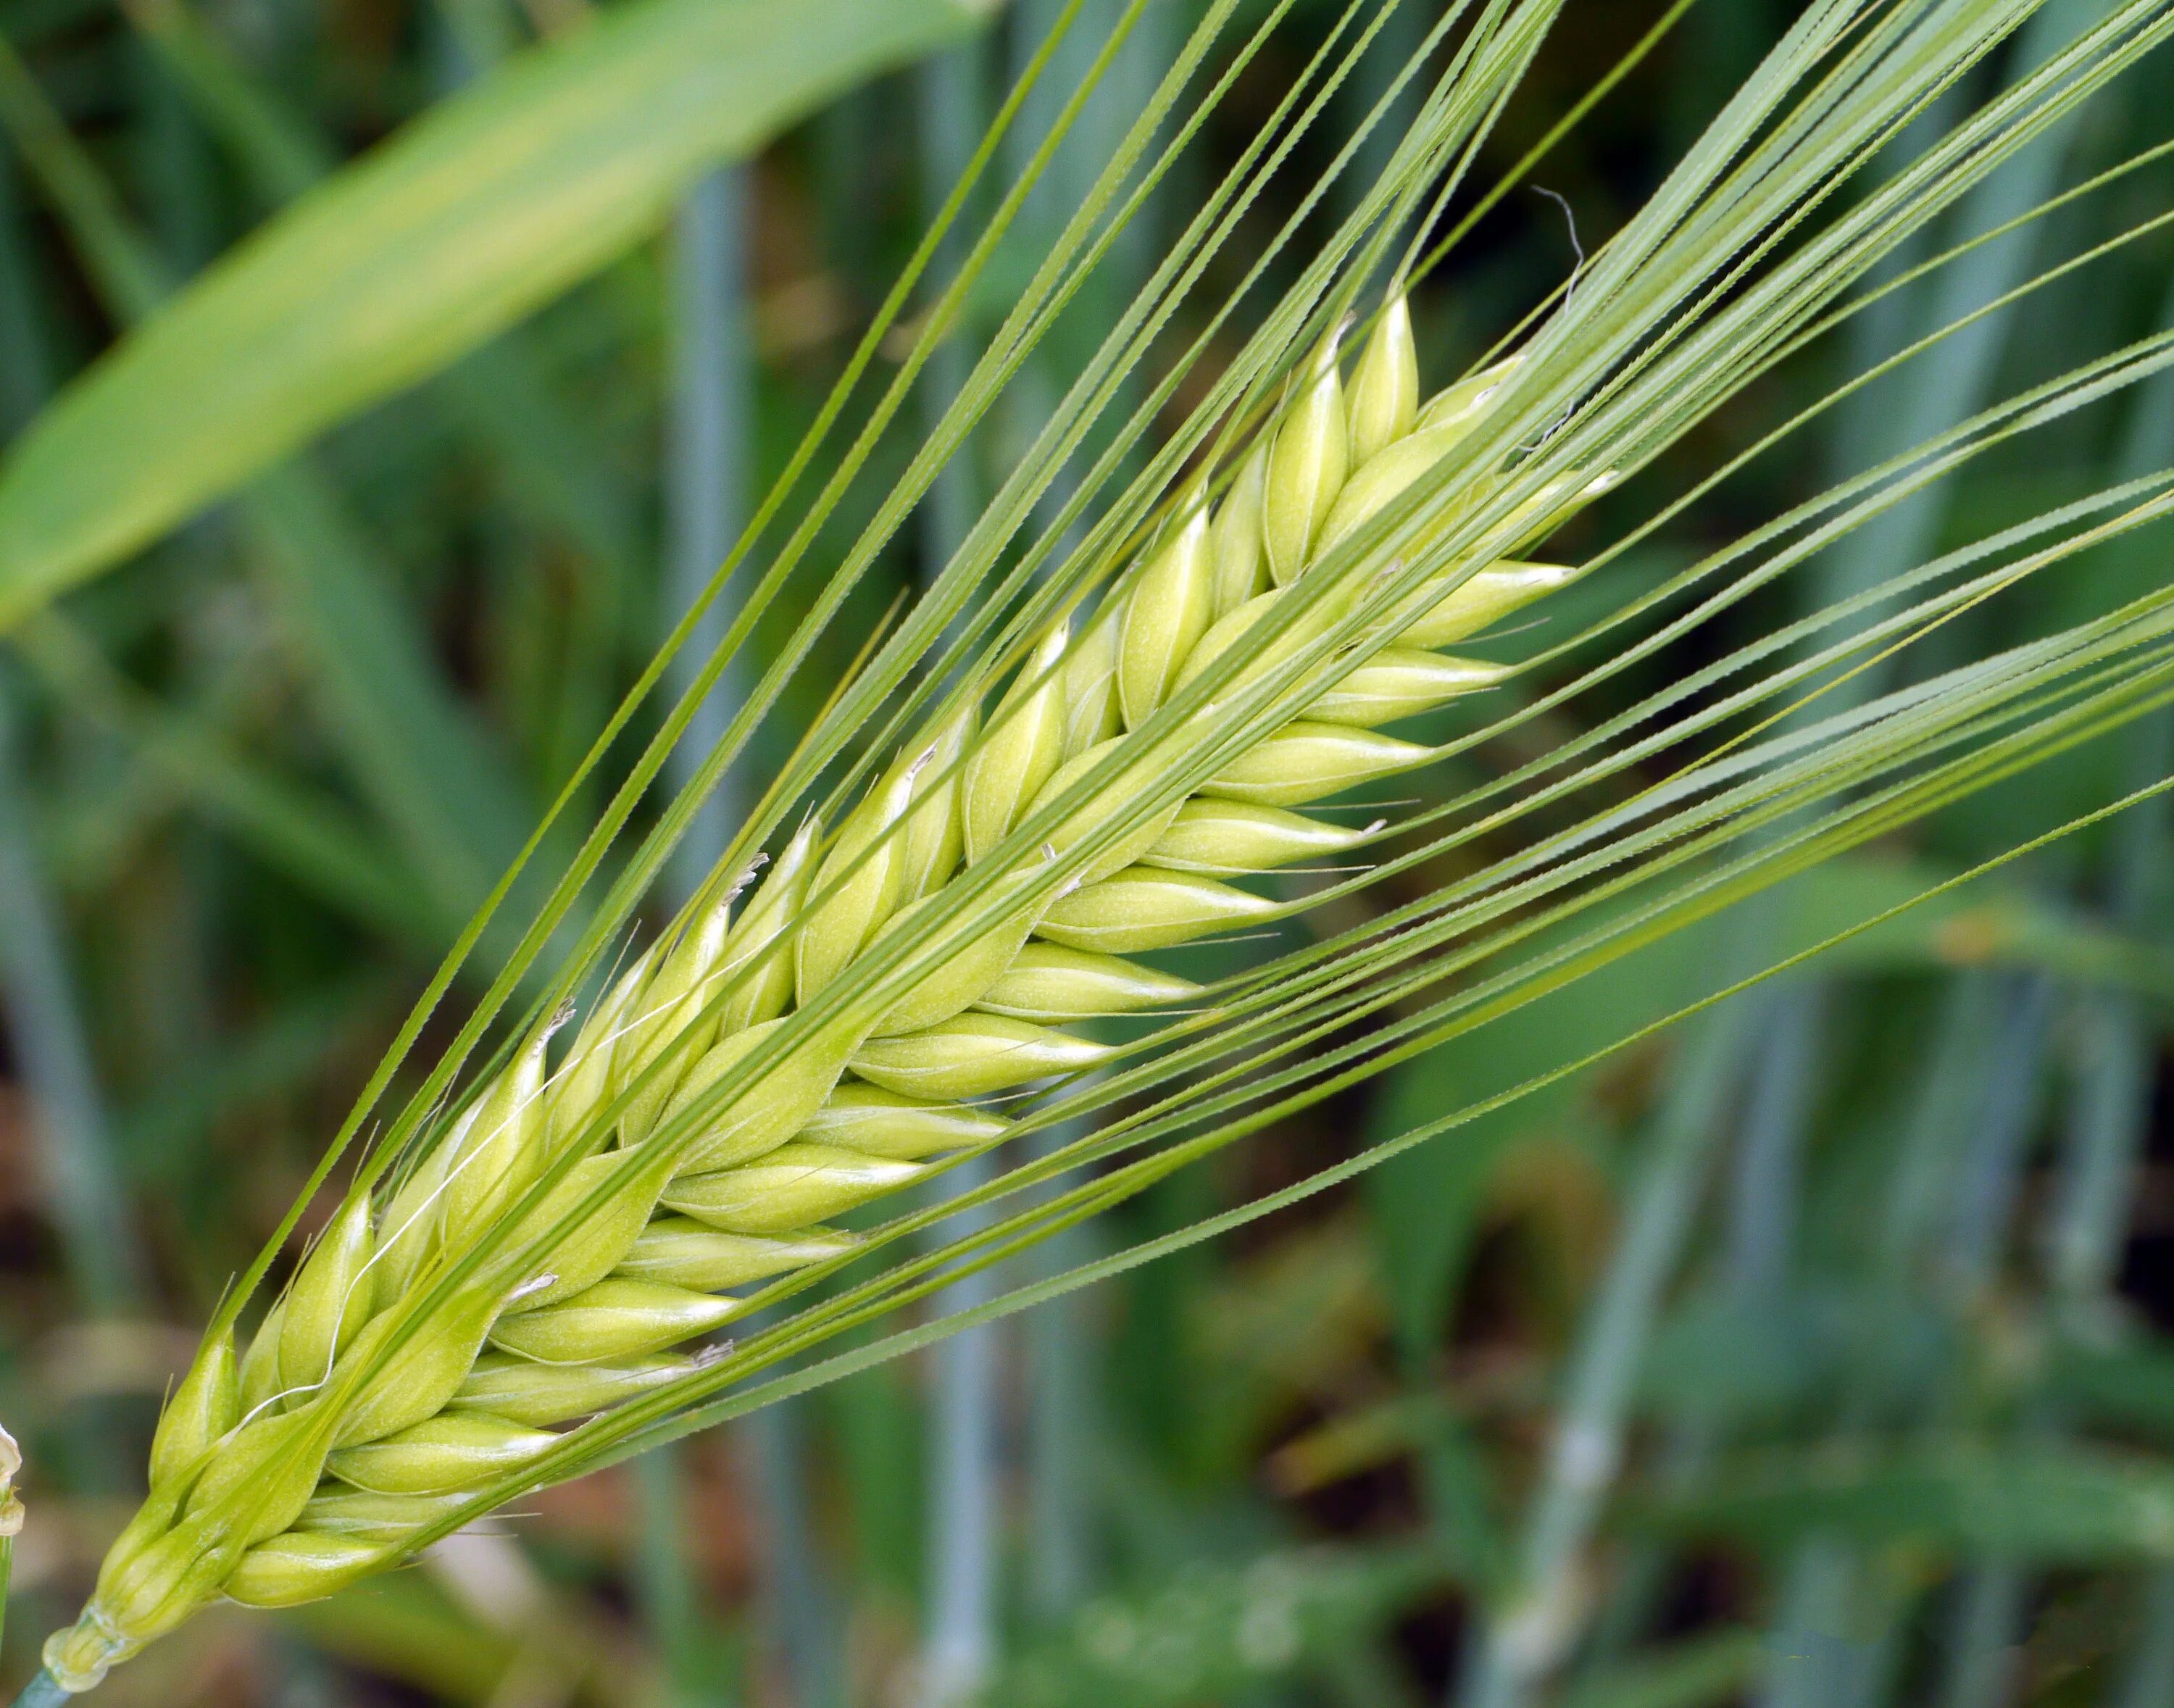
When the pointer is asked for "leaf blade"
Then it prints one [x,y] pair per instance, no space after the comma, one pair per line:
[480,211]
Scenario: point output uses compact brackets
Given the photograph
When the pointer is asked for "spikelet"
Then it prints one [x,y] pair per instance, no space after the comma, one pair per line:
[372,1398]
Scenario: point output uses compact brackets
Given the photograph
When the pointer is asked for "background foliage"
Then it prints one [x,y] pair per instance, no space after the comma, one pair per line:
[1854,1304]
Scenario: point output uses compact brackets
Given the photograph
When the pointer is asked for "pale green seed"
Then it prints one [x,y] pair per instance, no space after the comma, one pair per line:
[499,1150]
[764,973]
[425,1371]
[682,1253]
[1443,618]
[865,893]
[795,1185]
[1385,387]
[1306,466]
[582,1250]
[1052,983]
[1302,762]
[1091,711]
[1145,907]
[330,1300]
[336,1510]
[1024,744]
[204,1407]
[1396,682]
[260,1477]
[886,1123]
[408,1229]
[1227,839]
[143,1593]
[618,1317]
[962,959]
[1400,466]
[295,1568]
[972,1056]
[671,1003]
[668,1027]
[537,1394]
[1119,798]
[768,1108]
[935,828]
[454,1450]
[1169,609]
[1235,536]
[585,1081]
[259,1379]
[1303,632]
[1469,398]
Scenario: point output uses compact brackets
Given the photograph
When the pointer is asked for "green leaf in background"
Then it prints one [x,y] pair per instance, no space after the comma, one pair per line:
[482,209]
[1715,1669]
[2048,1504]
[1211,1633]
[1429,1203]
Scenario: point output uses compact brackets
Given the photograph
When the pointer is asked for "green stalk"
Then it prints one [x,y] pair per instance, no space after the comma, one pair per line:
[1532,1622]
[711,405]
[959,1638]
[81,1179]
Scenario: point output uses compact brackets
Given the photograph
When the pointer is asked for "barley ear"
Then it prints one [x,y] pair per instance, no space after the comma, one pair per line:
[1092,714]
[259,1378]
[262,1489]
[1385,388]
[757,976]
[935,829]
[500,1150]
[863,872]
[1235,539]
[1024,744]
[1306,466]
[1170,608]
[204,1407]
[330,1300]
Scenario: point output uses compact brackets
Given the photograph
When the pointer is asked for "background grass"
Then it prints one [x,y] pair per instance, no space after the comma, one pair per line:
[1864,1283]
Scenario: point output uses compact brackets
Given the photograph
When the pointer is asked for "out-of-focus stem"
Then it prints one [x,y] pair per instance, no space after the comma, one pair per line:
[705,469]
[80,1181]
[1526,1636]
[710,405]
[959,1645]
[959,1634]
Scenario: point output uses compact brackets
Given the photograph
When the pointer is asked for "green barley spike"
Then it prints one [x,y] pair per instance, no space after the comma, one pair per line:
[362,1412]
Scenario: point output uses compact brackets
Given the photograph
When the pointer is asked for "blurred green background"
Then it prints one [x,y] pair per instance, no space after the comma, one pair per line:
[1816,1358]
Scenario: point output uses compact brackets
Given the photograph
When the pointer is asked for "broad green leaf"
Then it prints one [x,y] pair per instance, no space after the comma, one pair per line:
[434,776]
[486,207]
